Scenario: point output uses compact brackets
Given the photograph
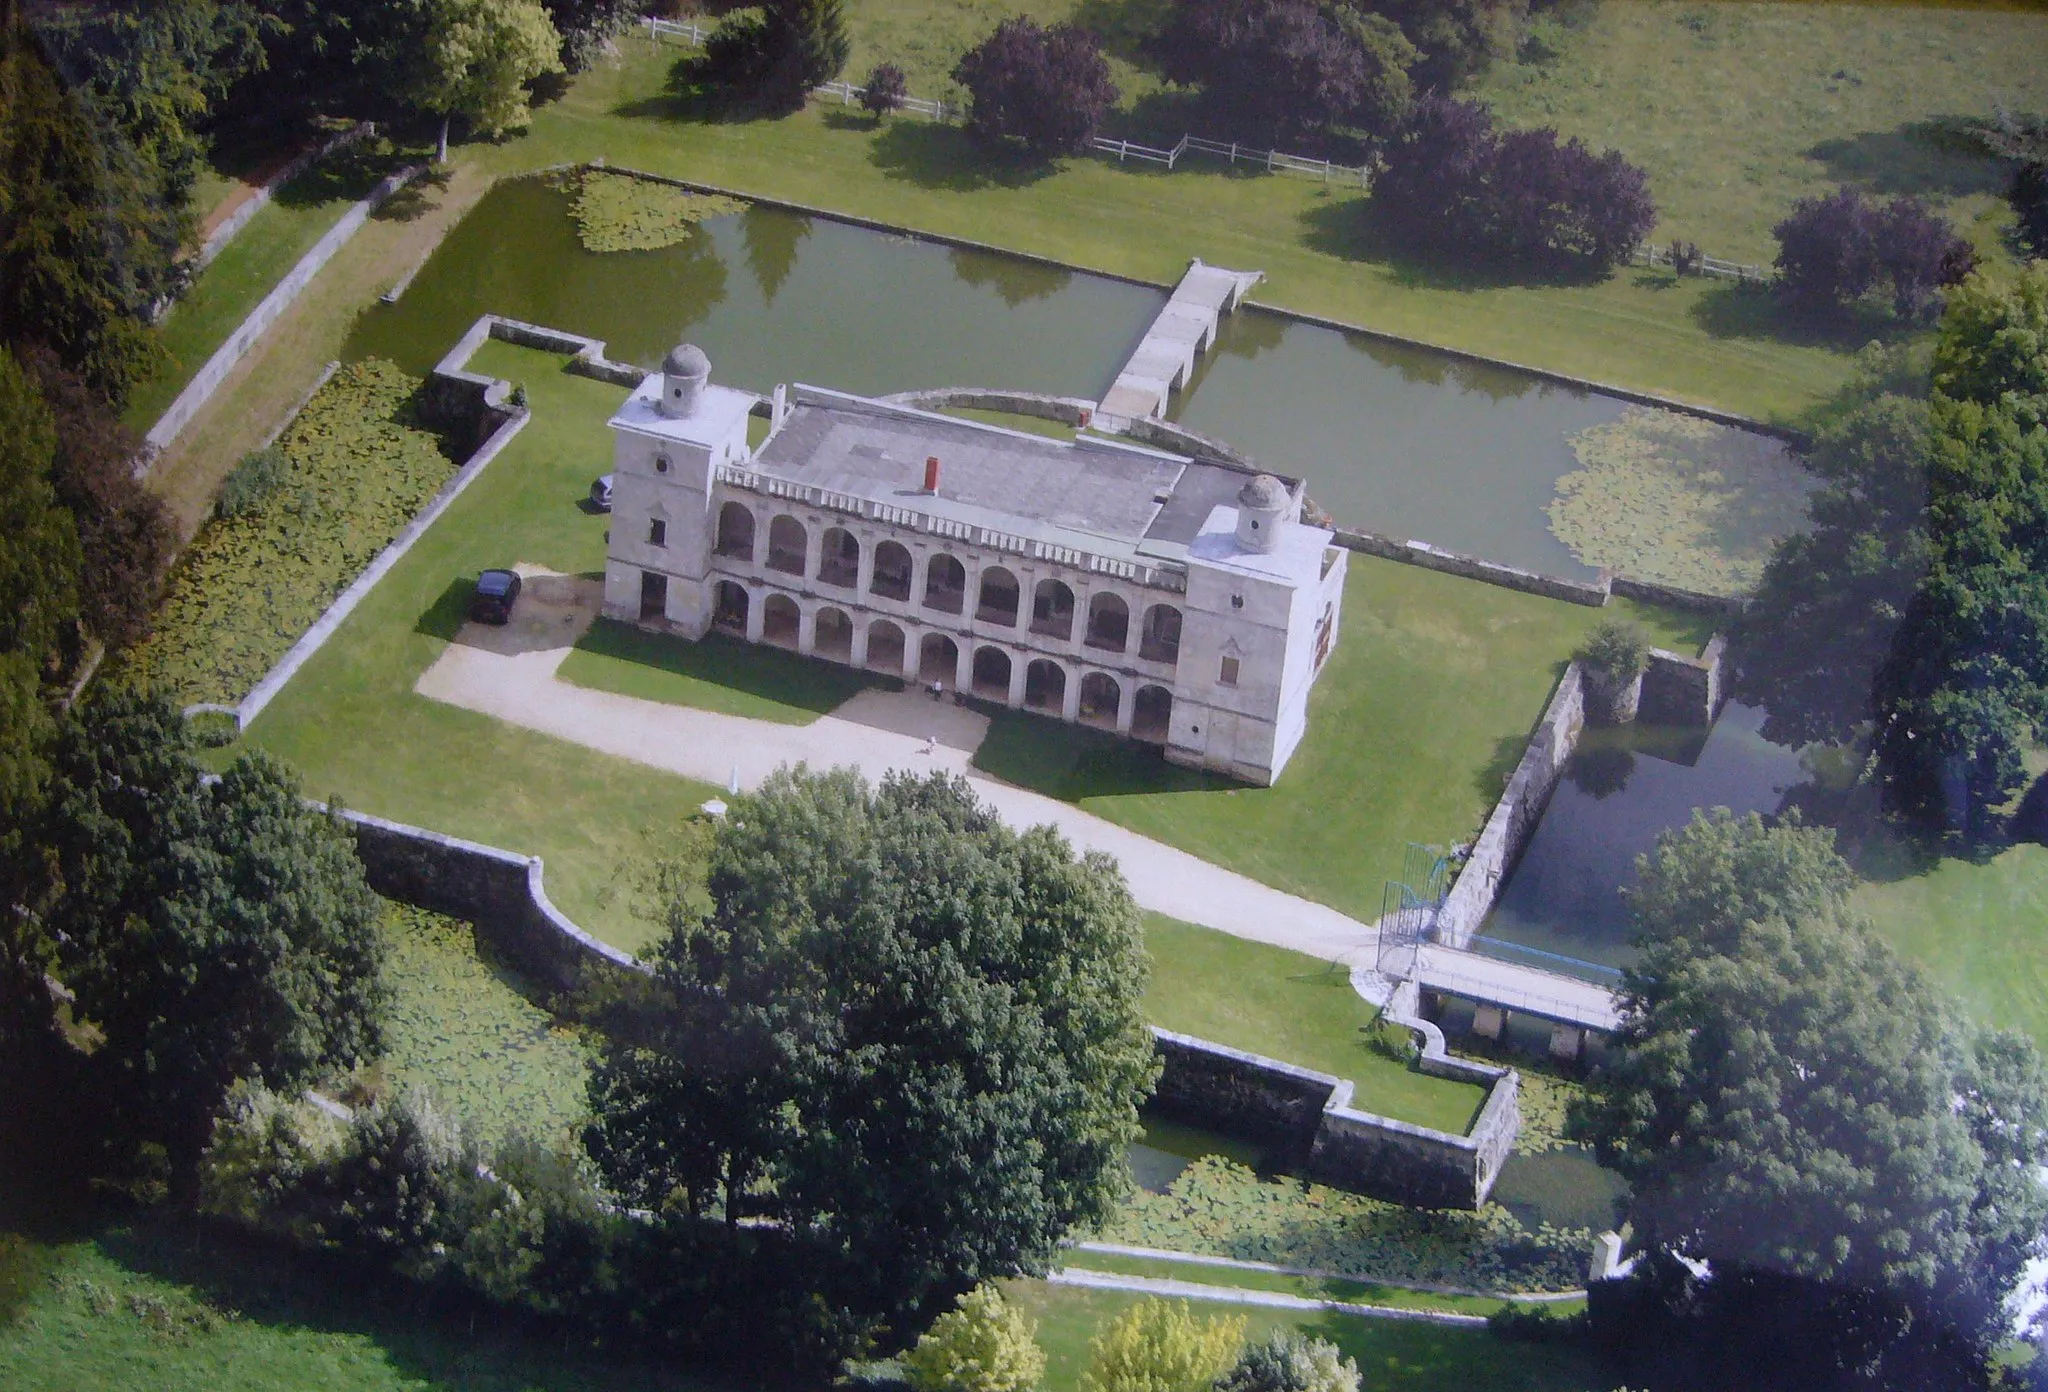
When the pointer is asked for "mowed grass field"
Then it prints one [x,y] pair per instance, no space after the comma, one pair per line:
[1737,110]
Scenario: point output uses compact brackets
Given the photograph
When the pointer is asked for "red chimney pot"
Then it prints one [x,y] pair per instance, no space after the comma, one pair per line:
[931,473]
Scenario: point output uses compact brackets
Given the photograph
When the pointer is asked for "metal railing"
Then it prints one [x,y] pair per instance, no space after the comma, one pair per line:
[1152,577]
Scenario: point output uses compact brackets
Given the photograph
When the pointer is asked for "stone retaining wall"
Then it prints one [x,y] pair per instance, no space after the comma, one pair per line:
[1421,553]
[1067,410]
[1514,818]
[1672,597]
[1307,1117]
[209,378]
[231,226]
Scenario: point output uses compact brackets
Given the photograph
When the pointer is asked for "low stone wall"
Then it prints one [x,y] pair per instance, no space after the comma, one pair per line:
[1514,818]
[1421,553]
[1147,430]
[498,891]
[208,379]
[1672,597]
[1681,690]
[231,226]
[1308,1118]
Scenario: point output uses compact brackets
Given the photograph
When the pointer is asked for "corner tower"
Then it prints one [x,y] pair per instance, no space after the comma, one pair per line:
[668,442]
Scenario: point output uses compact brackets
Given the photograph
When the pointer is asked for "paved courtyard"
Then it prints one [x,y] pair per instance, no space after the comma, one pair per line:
[511,673]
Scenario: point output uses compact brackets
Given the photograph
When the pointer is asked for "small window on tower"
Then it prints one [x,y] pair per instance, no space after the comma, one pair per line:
[660,463]
[1228,676]
[1237,601]
[657,533]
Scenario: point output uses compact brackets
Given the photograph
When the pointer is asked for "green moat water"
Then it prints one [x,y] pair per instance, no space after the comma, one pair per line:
[1392,439]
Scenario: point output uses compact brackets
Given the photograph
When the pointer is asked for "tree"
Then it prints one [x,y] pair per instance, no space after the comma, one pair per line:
[1160,1346]
[587,26]
[1289,67]
[1786,1107]
[1522,197]
[1289,1361]
[1047,89]
[1457,38]
[1835,248]
[2029,198]
[1994,342]
[126,540]
[473,58]
[777,55]
[209,933]
[1832,597]
[884,90]
[38,574]
[887,980]
[982,1344]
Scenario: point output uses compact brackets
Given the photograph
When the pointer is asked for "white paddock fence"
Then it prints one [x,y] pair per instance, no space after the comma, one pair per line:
[1651,254]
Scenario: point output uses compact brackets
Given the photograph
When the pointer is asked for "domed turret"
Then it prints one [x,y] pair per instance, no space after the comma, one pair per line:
[1261,506]
[684,375]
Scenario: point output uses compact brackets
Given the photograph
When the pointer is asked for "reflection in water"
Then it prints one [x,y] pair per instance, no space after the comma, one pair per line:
[773,238]
[1565,895]
[1167,1147]
[1014,279]
[772,297]
[1564,1187]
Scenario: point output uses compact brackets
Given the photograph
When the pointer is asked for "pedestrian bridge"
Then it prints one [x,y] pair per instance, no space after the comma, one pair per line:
[1165,358]
[1513,988]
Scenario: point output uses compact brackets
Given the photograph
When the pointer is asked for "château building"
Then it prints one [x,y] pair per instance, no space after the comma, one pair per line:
[1173,600]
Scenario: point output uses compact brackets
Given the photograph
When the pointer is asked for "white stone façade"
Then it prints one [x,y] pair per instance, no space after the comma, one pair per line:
[1094,581]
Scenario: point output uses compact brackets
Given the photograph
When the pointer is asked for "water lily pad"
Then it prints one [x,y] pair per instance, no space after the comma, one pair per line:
[619,212]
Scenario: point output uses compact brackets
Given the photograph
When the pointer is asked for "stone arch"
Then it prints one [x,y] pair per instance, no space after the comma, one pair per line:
[787,544]
[945,583]
[736,531]
[839,558]
[991,673]
[938,659]
[998,601]
[886,647]
[892,571]
[1151,713]
[1159,640]
[833,636]
[1109,622]
[1052,610]
[781,621]
[1102,697]
[1045,686]
[729,605]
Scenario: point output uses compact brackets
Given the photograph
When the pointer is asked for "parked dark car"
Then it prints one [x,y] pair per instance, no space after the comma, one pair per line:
[601,493]
[495,592]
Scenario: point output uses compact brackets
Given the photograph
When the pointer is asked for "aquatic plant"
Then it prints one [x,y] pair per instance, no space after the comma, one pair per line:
[622,212]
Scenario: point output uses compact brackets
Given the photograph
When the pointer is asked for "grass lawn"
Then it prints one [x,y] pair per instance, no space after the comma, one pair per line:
[1738,110]
[1413,729]
[1980,929]
[177,1308]
[351,723]
[1291,1007]
[247,269]
[718,674]
[1394,1356]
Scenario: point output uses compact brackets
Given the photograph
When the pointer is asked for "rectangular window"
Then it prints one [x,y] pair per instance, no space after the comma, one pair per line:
[657,533]
[1229,674]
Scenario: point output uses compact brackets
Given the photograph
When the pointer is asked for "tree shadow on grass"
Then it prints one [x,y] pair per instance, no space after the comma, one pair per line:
[1348,229]
[1748,310]
[436,1340]
[751,669]
[1936,158]
[1491,778]
[444,618]
[935,156]
[1125,28]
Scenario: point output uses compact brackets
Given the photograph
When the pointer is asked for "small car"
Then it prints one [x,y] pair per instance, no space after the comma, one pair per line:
[601,494]
[495,592]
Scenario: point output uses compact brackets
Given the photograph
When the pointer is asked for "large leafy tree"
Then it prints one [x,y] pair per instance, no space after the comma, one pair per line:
[473,59]
[1047,89]
[1798,1108]
[1832,597]
[210,933]
[1456,38]
[38,576]
[1289,67]
[125,535]
[911,1034]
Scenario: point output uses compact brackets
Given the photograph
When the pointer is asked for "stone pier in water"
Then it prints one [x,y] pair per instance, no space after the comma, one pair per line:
[1166,357]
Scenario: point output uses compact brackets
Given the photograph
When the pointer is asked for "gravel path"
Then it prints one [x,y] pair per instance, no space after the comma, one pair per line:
[1235,1295]
[510,673]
